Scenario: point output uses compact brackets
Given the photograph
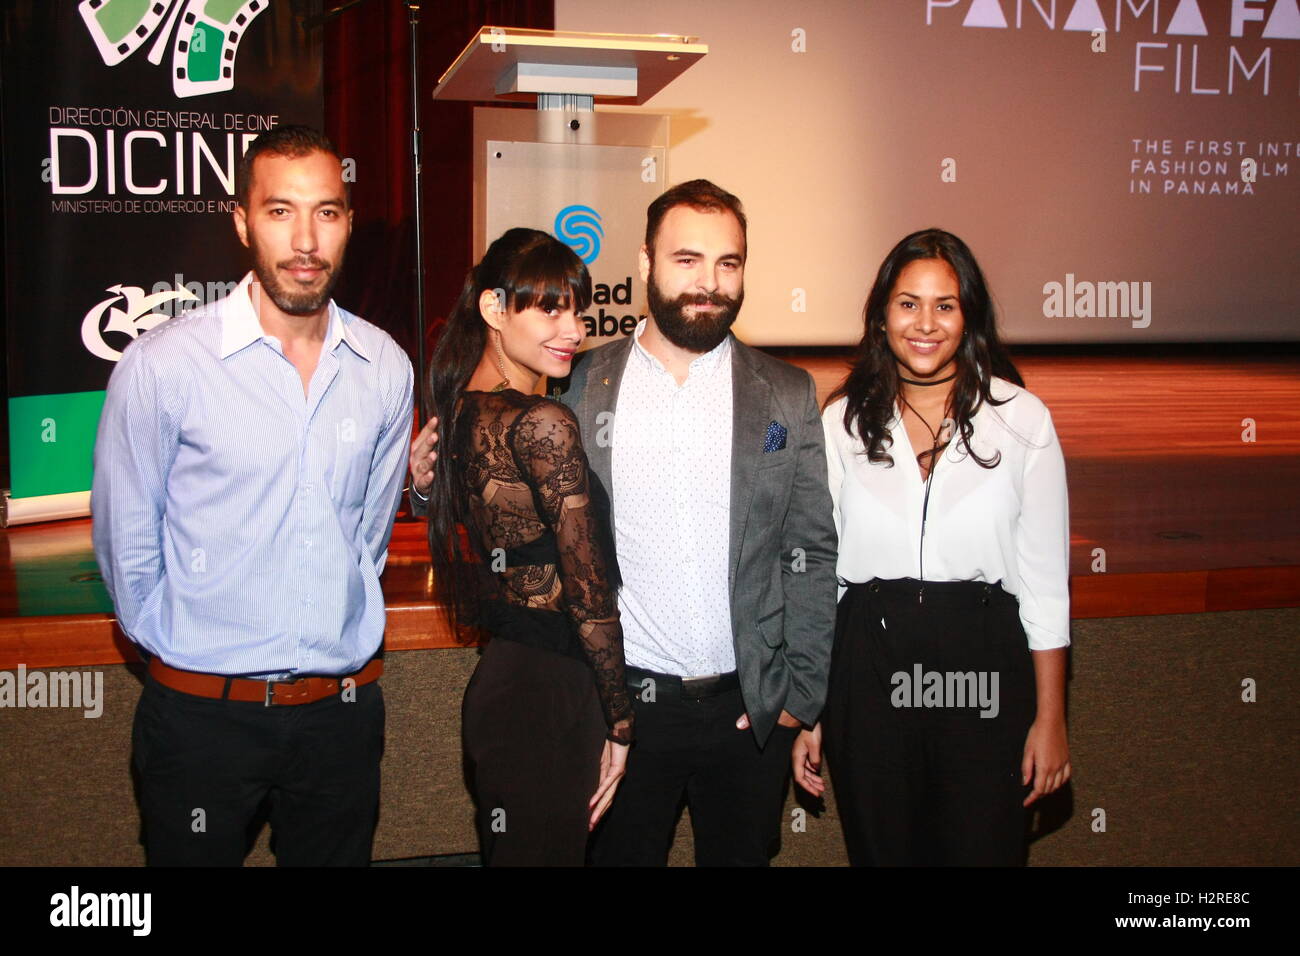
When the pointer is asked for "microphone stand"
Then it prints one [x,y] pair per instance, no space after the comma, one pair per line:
[413,15]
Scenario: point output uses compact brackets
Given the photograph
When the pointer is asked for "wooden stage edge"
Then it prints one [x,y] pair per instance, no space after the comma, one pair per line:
[80,640]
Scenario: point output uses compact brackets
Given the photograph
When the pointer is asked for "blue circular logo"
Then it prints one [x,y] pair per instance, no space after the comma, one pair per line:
[578,227]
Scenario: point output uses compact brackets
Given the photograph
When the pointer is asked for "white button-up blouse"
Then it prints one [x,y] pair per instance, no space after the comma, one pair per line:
[1009,523]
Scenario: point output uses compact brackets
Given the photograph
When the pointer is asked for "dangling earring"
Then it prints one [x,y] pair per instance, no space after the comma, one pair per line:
[501,364]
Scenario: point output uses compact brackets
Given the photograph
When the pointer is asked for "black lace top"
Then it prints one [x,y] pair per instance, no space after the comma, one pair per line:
[542,531]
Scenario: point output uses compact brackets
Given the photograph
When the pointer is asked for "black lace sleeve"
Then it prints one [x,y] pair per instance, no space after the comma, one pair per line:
[548,447]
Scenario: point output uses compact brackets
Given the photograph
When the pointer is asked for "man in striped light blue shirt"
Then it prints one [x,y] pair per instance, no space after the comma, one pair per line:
[248,468]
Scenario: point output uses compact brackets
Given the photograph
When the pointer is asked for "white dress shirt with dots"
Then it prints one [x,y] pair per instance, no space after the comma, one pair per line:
[671,470]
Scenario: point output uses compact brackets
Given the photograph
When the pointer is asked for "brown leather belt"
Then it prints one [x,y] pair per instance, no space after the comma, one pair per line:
[304,690]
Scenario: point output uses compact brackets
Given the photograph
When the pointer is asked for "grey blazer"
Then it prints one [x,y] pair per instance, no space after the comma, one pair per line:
[783,543]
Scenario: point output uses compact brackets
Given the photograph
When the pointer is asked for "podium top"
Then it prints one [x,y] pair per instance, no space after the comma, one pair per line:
[486,68]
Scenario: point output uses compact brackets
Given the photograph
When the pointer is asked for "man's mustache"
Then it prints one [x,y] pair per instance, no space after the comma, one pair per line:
[307,262]
[712,298]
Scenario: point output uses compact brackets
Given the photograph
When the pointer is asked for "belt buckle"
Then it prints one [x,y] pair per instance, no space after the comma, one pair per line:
[691,686]
[290,691]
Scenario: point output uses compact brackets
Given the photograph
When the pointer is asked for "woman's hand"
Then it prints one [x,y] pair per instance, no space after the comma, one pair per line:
[806,755]
[613,764]
[423,456]
[1047,754]
[1047,758]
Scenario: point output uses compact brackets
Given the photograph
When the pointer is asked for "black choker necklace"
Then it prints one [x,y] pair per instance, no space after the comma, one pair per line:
[938,381]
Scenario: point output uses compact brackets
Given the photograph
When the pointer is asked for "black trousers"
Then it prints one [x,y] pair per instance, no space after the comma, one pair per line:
[689,752]
[926,769]
[206,767]
[533,733]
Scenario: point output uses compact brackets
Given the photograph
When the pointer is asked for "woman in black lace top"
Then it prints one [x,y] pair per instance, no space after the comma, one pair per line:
[547,719]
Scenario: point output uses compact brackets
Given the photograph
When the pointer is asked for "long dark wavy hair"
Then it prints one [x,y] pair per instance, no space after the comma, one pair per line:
[527,268]
[872,385]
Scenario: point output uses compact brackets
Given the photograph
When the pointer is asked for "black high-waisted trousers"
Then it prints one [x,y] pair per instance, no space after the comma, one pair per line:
[927,710]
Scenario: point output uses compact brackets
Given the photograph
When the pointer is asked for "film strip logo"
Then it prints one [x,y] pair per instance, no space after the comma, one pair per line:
[206,41]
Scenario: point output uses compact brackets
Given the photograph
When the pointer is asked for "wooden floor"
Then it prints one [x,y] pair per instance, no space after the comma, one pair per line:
[1190,516]
[1158,472]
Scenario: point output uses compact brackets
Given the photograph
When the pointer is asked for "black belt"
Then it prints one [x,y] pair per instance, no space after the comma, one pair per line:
[684,688]
[949,593]
[537,627]
[537,553]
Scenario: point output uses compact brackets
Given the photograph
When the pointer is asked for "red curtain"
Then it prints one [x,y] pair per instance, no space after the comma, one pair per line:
[368,115]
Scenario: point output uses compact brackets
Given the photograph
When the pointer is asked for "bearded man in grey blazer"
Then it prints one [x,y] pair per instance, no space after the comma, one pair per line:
[713,457]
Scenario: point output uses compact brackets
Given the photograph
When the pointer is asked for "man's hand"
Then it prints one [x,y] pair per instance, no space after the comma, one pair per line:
[423,456]
[786,719]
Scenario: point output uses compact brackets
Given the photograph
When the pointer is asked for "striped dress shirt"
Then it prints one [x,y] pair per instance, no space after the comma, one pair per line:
[241,525]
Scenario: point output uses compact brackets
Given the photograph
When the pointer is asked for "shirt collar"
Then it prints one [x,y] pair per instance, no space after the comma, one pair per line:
[241,328]
[705,364]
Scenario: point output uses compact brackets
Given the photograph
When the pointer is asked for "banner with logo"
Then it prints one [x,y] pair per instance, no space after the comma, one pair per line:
[124,122]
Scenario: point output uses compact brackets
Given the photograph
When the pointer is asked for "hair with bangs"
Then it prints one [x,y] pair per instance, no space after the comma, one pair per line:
[525,268]
[544,272]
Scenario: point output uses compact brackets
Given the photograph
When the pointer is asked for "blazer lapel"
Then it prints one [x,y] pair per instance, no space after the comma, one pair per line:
[596,406]
[751,402]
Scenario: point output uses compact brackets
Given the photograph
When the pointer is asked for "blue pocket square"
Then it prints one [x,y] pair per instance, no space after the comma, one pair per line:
[775,439]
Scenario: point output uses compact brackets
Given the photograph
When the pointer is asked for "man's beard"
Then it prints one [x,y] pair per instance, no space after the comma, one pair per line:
[702,333]
[287,299]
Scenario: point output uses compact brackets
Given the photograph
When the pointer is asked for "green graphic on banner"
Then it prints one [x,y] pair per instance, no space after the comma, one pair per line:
[223,10]
[205,53]
[51,441]
[120,18]
[205,41]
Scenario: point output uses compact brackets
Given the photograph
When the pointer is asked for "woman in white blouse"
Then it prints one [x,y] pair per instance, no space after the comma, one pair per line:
[945,715]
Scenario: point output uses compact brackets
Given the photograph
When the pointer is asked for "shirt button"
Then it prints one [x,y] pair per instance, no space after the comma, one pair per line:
[306,489]
[306,542]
